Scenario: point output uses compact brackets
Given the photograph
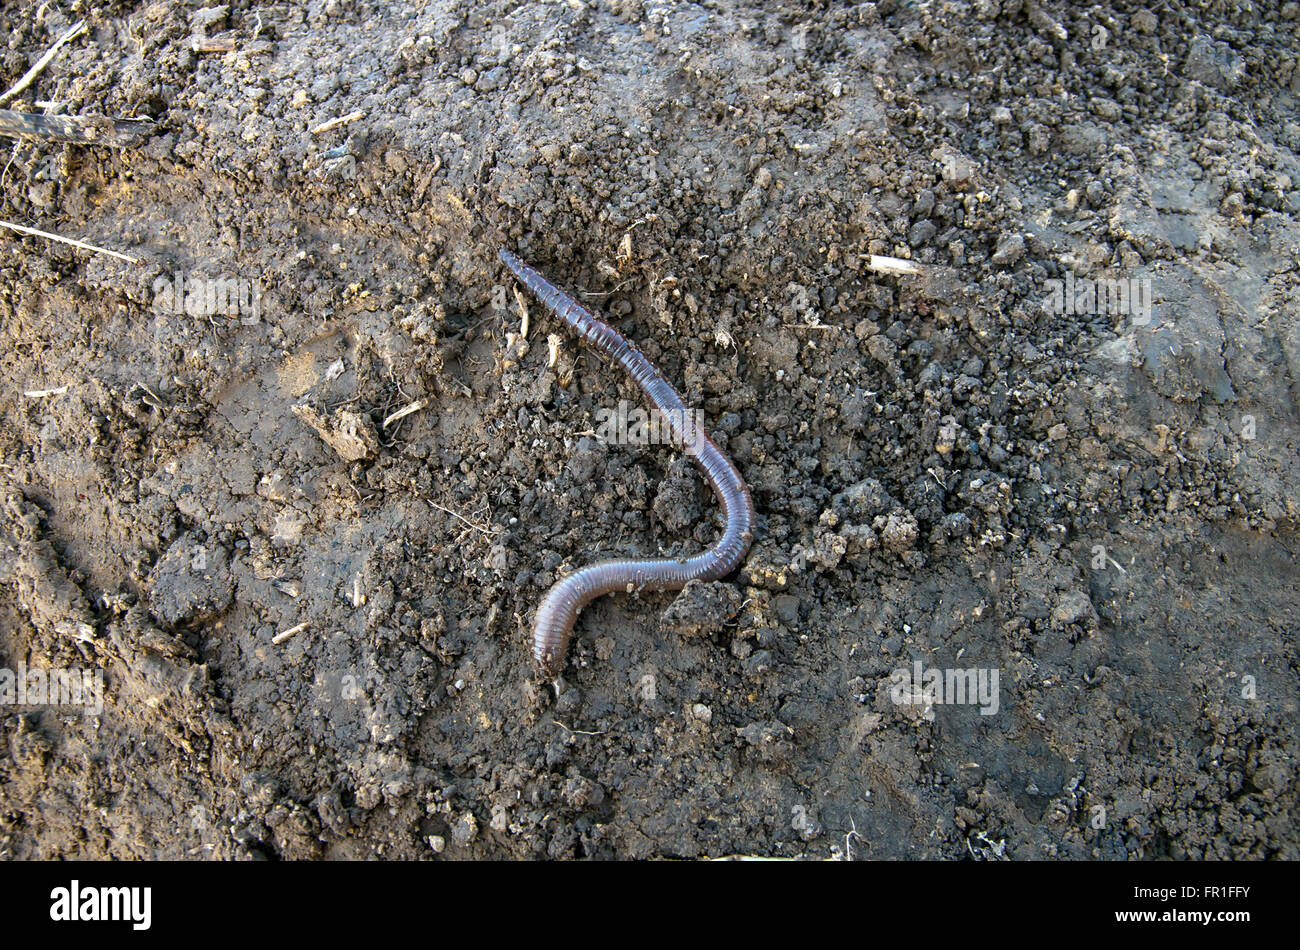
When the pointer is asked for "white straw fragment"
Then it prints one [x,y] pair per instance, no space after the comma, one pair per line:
[281,637]
[23,229]
[892,265]
[335,123]
[403,413]
[70,34]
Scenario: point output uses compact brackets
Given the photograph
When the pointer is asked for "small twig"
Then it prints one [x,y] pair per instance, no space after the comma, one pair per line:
[42,393]
[23,229]
[281,637]
[71,33]
[335,123]
[82,129]
[608,293]
[476,527]
[402,413]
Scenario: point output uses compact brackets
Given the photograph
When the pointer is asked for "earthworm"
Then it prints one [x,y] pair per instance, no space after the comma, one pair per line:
[559,609]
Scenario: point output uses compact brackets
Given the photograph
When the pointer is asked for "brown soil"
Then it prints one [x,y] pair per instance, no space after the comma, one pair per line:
[1099,507]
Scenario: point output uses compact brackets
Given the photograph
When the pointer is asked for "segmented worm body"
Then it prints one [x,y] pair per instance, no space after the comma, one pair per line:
[559,608]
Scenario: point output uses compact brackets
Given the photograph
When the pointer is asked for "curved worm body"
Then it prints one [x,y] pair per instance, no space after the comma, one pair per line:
[559,608]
